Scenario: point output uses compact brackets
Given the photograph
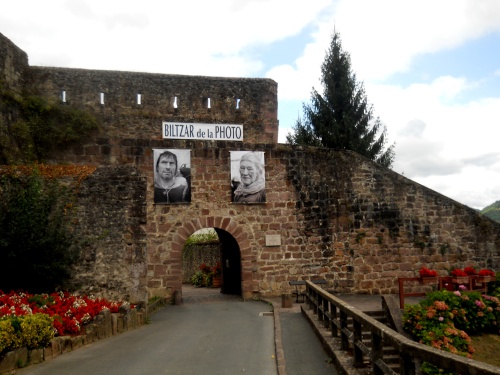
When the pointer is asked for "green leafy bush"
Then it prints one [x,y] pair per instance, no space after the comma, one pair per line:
[31,331]
[429,369]
[433,326]
[36,251]
[8,338]
[202,238]
[39,127]
[494,286]
[469,311]
[36,330]
[444,320]
[198,279]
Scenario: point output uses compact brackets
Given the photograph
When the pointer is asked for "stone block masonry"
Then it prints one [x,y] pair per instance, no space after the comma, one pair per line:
[338,216]
[112,96]
[13,65]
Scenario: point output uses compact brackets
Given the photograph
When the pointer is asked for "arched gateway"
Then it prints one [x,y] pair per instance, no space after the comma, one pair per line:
[292,212]
[234,253]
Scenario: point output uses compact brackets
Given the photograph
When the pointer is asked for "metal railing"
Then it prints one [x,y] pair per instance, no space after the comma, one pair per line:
[335,313]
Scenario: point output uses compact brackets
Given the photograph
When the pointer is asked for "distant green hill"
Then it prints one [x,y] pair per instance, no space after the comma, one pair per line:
[492,211]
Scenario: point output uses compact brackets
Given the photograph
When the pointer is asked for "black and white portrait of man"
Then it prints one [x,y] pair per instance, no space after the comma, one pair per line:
[172,176]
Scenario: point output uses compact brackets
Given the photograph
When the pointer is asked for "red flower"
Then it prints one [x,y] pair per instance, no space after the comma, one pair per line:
[458,273]
[470,271]
[425,272]
[70,312]
[486,272]
[204,268]
[217,270]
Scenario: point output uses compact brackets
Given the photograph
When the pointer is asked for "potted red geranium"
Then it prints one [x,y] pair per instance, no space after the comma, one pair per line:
[470,271]
[428,276]
[485,276]
[217,276]
[459,276]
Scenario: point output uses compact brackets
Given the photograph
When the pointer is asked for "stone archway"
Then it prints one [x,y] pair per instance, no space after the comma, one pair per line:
[236,248]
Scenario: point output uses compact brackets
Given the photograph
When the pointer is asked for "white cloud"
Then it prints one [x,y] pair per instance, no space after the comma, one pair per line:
[384,37]
[283,132]
[184,37]
[413,128]
[395,32]
[449,147]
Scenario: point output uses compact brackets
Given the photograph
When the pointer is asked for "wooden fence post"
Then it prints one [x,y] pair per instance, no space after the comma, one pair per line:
[377,353]
[344,338]
[358,337]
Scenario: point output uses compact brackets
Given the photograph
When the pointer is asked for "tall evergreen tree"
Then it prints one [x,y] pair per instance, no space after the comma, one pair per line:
[342,118]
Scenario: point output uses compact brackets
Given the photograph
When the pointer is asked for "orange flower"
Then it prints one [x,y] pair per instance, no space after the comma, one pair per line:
[440,305]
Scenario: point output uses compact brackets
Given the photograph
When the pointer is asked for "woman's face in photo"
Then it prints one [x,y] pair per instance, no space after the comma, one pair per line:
[248,172]
[167,168]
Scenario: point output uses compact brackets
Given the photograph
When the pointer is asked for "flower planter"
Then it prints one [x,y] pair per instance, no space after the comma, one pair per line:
[483,279]
[460,279]
[429,280]
[217,282]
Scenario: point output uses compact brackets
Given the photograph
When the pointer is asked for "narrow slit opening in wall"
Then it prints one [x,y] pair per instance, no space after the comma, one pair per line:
[208,103]
[238,103]
[175,102]
[139,99]
[101,98]
[63,96]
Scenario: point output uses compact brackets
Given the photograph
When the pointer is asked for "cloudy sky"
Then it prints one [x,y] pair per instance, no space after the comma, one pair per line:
[430,68]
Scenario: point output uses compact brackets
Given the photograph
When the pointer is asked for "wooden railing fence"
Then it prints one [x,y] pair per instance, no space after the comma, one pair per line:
[335,313]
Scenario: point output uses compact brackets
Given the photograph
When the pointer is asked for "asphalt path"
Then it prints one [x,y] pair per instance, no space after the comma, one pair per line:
[302,349]
[224,337]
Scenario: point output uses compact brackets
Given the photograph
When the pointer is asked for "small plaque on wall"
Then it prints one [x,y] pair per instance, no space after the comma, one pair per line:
[273,240]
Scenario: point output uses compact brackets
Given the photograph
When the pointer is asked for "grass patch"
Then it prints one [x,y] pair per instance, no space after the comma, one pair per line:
[487,348]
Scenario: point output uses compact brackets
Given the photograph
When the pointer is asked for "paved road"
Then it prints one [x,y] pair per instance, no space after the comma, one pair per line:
[210,333]
[224,337]
[303,352]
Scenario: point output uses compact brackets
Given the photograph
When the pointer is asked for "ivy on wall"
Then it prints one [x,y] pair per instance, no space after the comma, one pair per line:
[31,127]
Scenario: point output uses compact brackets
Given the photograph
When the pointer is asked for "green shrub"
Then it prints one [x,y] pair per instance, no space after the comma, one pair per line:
[39,127]
[198,279]
[433,326]
[36,251]
[494,286]
[444,319]
[36,330]
[31,331]
[429,369]
[208,279]
[469,311]
[8,338]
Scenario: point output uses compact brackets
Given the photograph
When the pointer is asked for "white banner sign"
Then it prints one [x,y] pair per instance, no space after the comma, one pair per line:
[181,130]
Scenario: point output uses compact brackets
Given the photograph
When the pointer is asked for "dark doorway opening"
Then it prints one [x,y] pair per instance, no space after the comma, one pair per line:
[231,263]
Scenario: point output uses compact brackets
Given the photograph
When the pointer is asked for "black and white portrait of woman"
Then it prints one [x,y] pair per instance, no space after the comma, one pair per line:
[172,176]
[248,177]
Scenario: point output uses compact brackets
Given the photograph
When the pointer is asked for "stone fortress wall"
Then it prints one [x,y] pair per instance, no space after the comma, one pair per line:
[338,215]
